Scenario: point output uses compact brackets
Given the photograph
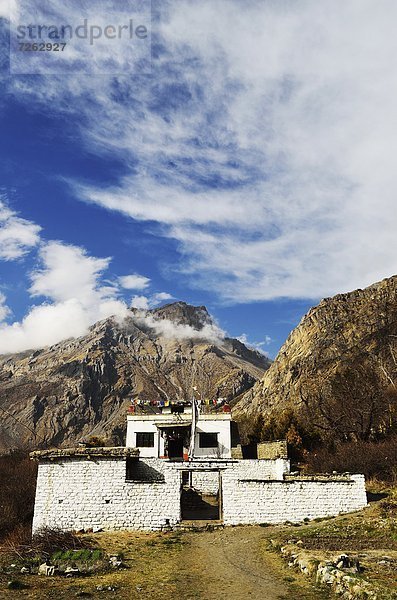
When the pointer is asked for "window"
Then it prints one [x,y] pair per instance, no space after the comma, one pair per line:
[145,440]
[208,440]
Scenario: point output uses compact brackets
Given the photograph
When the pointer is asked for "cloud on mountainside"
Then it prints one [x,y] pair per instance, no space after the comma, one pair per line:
[258,346]
[70,282]
[75,297]
[210,332]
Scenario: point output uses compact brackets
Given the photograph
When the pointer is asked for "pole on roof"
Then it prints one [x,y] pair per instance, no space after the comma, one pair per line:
[195,415]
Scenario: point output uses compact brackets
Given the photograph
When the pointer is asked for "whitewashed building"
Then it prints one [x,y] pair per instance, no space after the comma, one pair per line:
[178,467]
[168,434]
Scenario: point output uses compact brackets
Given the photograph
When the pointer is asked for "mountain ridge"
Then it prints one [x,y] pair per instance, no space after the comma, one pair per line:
[83,386]
[337,370]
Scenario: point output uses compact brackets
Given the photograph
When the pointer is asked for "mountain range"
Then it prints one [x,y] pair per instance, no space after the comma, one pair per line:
[335,378]
[83,387]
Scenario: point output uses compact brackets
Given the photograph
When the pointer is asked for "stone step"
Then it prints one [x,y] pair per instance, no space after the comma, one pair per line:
[199,525]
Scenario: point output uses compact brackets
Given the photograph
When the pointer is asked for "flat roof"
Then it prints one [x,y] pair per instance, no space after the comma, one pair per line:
[172,425]
[177,418]
[96,452]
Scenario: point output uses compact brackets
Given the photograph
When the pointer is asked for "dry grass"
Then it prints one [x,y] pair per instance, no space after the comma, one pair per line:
[151,569]
[370,534]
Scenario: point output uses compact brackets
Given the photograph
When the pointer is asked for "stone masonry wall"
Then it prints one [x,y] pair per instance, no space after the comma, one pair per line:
[253,501]
[206,482]
[260,469]
[76,494]
[84,493]
[251,468]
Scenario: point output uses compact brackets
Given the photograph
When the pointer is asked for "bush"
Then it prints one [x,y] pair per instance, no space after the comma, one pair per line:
[18,484]
[46,542]
[377,460]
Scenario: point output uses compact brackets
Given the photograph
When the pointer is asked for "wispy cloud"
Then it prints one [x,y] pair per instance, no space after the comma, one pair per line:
[147,302]
[263,142]
[8,8]
[100,36]
[4,309]
[258,346]
[17,235]
[134,282]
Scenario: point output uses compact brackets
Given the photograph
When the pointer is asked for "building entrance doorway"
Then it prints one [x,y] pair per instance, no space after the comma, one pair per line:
[176,441]
[201,495]
[175,448]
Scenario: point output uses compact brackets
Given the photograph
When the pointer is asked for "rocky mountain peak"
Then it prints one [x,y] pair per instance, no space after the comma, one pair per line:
[182,313]
[82,387]
[337,371]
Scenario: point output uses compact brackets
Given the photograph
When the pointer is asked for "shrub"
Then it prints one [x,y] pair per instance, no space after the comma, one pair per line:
[18,484]
[46,542]
[377,460]
[95,441]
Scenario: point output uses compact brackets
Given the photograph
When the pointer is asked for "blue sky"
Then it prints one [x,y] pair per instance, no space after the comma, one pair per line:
[250,170]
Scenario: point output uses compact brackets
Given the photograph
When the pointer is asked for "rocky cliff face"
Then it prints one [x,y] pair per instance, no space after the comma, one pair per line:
[82,387]
[337,371]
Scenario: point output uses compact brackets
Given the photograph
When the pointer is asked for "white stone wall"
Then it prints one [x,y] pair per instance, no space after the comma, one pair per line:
[255,501]
[206,482]
[82,493]
[76,494]
[260,469]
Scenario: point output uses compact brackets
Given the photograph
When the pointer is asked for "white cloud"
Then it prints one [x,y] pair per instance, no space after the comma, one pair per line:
[17,236]
[8,8]
[67,273]
[310,110]
[160,297]
[168,329]
[134,282]
[146,302]
[4,309]
[263,143]
[91,51]
[141,302]
[258,346]
[71,282]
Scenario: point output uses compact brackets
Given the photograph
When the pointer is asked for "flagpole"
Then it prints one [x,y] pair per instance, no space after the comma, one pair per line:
[195,414]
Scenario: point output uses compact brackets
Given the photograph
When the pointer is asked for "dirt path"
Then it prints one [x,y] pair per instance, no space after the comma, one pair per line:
[227,564]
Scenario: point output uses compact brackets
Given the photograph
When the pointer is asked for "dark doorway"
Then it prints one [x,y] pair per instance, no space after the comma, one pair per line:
[250,451]
[176,441]
[175,447]
[200,499]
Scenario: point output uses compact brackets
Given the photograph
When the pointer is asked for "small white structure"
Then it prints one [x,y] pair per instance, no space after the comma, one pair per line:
[167,434]
[152,483]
